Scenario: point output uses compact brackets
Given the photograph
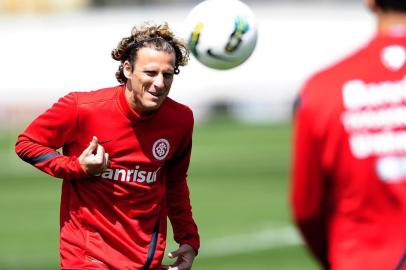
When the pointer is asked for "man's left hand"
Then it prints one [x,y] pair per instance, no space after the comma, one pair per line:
[185,255]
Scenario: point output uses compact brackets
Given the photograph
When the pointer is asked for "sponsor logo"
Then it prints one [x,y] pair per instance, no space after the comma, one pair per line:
[392,169]
[130,175]
[160,149]
[375,119]
[360,95]
[367,144]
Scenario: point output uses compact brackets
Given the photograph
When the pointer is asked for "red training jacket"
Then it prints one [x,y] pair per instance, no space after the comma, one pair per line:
[116,220]
[349,166]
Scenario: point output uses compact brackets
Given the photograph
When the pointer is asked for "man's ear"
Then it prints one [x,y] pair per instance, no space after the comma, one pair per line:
[127,69]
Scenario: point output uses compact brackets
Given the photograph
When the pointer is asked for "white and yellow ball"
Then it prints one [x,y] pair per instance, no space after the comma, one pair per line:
[221,34]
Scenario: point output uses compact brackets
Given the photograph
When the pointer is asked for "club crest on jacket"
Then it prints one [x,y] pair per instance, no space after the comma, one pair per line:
[160,149]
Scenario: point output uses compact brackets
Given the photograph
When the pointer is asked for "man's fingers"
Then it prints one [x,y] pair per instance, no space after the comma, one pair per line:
[94,143]
[172,255]
[94,159]
[169,267]
[89,150]
[182,250]
[101,158]
[92,146]
[99,153]
[185,255]
[106,161]
[182,266]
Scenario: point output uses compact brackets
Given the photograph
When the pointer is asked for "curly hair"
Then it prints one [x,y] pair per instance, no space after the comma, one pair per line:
[158,37]
[394,5]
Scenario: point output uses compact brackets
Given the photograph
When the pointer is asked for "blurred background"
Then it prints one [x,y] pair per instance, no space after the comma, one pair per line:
[239,175]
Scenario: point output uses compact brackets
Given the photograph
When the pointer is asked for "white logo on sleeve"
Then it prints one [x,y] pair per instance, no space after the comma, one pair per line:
[160,149]
[393,57]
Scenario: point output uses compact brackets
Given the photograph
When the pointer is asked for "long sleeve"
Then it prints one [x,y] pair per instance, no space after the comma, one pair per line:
[178,200]
[50,131]
[308,185]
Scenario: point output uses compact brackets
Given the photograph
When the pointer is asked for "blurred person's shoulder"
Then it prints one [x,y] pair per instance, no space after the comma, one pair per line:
[347,67]
[326,84]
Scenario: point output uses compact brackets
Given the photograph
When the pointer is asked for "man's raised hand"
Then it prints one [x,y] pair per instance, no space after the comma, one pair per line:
[94,159]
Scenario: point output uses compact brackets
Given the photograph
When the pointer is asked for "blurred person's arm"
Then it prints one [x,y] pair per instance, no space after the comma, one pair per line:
[50,131]
[308,184]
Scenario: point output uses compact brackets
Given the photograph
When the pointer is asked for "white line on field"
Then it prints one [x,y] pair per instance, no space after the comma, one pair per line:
[260,240]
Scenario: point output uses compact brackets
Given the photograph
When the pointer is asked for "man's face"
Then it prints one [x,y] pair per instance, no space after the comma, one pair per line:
[150,81]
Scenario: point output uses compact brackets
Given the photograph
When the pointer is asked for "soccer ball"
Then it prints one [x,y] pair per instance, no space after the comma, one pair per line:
[221,34]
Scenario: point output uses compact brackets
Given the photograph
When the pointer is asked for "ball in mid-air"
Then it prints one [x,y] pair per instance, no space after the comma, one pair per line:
[221,34]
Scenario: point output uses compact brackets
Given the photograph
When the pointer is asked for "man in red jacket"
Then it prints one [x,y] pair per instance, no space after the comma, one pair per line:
[349,165]
[126,152]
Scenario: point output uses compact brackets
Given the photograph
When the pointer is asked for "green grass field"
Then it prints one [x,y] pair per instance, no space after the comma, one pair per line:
[239,180]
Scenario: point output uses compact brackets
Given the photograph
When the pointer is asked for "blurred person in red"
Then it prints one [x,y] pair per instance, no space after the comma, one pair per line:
[126,152]
[349,155]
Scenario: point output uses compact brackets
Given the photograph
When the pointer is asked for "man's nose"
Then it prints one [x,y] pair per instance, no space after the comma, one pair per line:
[159,81]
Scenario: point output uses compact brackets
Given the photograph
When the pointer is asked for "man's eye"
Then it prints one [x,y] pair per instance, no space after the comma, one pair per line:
[150,73]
